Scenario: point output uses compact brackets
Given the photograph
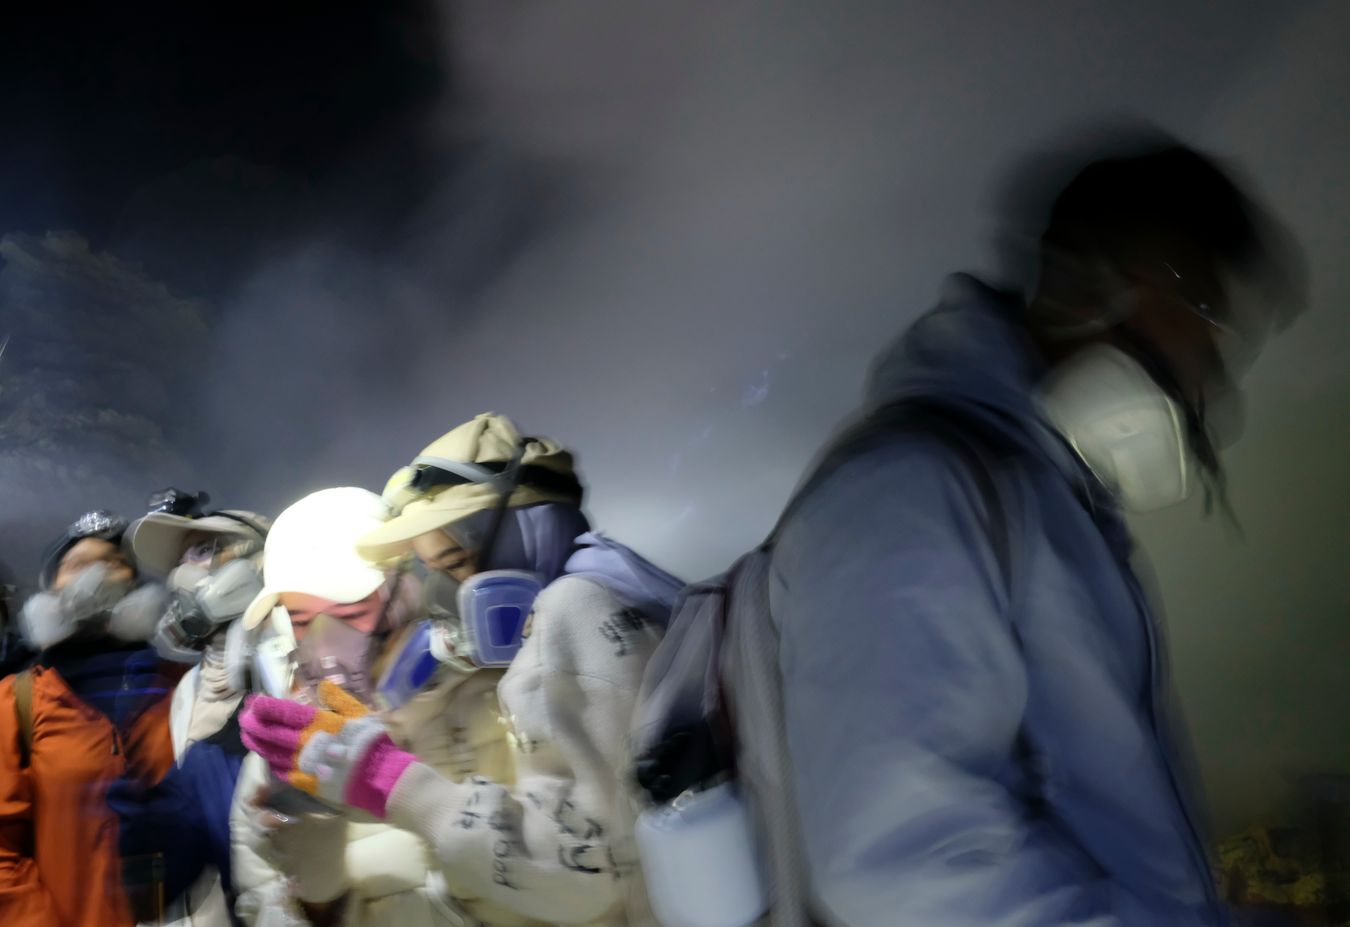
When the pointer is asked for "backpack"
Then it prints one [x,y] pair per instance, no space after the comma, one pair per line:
[711,709]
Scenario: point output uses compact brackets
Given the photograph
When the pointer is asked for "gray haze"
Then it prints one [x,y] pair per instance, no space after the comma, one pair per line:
[734,206]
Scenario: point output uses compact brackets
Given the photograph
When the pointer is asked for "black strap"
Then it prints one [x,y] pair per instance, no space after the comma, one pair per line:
[533,475]
[229,738]
[246,522]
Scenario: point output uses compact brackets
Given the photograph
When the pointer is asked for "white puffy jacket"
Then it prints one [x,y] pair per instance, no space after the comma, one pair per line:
[456,729]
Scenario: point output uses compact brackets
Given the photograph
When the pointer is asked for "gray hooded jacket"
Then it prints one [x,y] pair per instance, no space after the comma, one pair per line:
[970,748]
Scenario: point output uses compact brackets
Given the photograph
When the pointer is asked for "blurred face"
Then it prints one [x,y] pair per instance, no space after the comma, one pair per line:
[363,615]
[442,553]
[87,552]
[1180,304]
[201,548]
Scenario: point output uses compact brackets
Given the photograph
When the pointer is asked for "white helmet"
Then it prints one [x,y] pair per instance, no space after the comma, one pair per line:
[312,549]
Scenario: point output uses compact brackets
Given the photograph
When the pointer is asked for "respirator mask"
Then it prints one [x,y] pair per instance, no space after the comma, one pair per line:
[335,651]
[473,625]
[269,654]
[91,606]
[201,603]
[1125,427]
[1120,405]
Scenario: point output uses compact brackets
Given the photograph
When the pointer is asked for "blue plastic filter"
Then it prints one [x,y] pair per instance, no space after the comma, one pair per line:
[493,609]
[411,670]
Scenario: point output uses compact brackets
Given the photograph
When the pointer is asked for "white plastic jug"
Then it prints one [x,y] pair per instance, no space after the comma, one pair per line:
[700,862]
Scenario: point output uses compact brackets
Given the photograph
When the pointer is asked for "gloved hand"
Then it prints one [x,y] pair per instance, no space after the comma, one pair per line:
[311,849]
[91,593]
[338,752]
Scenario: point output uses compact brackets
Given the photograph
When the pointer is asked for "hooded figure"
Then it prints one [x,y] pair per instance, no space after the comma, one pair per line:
[342,614]
[500,514]
[92,710]
[975,685]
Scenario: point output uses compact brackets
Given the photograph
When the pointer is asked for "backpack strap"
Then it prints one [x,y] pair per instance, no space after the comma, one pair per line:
[23,710]
[956,427]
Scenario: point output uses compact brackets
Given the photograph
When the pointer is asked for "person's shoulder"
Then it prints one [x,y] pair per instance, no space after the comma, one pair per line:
[910,459]
[585,629]
[573,597]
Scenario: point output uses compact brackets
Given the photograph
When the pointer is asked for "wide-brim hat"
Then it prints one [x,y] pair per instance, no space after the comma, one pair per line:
[157,540]
[464,472]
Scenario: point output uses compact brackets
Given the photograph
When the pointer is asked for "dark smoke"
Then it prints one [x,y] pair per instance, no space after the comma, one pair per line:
[672,236]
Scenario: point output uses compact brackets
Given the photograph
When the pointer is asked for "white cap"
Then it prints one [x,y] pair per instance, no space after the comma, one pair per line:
[312,549]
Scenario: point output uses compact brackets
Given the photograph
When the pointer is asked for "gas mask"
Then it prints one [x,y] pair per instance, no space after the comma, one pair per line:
[134,618]
[202,603]
[494,607]
[1124,426]
[91,605]
[269,654]
[474,625]
[334,650]
[484,617]
[1125,412]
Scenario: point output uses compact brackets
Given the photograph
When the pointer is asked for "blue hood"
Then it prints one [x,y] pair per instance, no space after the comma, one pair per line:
[972,351]
[970,745]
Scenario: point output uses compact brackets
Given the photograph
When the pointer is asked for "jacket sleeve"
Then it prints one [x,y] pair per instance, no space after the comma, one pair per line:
[163,819]
[553,846]
[904,690]
[24,901]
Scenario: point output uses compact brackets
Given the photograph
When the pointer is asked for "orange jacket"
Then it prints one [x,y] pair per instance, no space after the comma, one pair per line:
[59,862]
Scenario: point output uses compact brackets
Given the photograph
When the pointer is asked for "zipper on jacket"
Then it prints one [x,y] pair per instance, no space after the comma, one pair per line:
[1156,682]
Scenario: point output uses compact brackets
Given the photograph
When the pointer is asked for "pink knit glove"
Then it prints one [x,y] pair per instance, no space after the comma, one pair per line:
[338,753]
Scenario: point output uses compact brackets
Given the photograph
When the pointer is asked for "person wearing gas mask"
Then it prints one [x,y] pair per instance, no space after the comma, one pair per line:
[90,712]
[326,625]
[211,564]
[973,678]
[574,616]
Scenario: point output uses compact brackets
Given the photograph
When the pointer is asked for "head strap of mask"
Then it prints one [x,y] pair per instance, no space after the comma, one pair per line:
[430,472]
[261,530]
[506,486]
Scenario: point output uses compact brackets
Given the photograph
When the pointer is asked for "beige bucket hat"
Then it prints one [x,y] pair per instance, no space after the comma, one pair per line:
[157,540]
[465,471]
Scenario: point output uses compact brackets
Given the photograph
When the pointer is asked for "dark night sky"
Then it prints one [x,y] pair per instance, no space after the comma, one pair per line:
[672,235]
[103,101]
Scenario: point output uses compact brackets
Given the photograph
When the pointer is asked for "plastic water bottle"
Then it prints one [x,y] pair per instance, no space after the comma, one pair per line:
[700,861]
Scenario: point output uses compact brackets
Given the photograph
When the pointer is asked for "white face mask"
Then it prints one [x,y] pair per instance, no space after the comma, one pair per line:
[135,617]
[1128,431]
